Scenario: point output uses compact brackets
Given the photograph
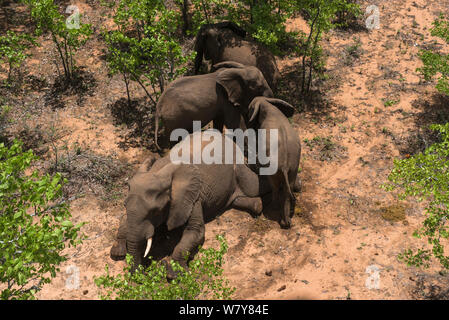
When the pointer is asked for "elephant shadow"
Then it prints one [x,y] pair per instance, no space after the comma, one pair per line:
[271,209]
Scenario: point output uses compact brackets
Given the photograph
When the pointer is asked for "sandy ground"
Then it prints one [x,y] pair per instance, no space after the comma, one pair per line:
[341,233]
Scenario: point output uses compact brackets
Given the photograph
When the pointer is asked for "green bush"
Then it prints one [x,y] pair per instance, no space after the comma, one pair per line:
[34,225]
[437,64]
[425,176]
[323,16]
[204,279]
[264,20]
[144,47]
[46,15]
[13,48]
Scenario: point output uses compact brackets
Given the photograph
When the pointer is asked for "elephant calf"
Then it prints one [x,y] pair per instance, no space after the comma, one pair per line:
[184,195]
[266,113]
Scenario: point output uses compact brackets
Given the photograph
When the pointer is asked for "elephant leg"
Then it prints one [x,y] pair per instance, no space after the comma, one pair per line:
[118,250]
[286,201]
[218,123]
[275,183]
[251,205]
[298,184]
[233,119]
[192,237]
[249,183]
[292,206]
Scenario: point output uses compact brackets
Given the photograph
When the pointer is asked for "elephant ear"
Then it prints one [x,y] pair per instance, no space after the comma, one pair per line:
[185,192]
[226,64]
[286,108]
[157,188]
[232,81]
[147,164]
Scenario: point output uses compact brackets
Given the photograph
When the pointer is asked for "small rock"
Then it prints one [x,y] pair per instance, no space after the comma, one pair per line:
[305,281]
[269,273]
[282,288]
[85,292]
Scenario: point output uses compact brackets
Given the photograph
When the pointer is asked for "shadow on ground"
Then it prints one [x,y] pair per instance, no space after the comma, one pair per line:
[434,109]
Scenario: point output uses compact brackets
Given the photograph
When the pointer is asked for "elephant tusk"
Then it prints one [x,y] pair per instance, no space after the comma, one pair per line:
[149,241]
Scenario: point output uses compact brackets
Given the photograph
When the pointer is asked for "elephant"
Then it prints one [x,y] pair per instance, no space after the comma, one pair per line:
[184,195]
[215,96]
[269,113]
[226,41]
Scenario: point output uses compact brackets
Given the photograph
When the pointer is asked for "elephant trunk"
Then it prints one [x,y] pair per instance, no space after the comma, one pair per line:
[139,240]
[268,93]
[135,249]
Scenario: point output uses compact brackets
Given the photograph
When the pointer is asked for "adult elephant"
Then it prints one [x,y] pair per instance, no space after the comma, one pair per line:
[226,41]
[215,96]
[185,195]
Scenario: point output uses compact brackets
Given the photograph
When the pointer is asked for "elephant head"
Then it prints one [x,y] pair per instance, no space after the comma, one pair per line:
[241,83]
[154,199]
[255,106]
[210,38]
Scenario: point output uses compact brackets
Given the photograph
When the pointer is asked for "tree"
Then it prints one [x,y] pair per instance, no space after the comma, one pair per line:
[68,35]
[34,225]
[144,47]
[324,16]
[264,20]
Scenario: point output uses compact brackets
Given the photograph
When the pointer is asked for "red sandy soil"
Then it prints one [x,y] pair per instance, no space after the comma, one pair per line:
[340,227]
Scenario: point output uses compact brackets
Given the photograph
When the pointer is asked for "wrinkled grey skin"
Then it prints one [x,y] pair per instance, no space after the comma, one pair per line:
[268,113]
[226,42]
[183,195]
[215,96]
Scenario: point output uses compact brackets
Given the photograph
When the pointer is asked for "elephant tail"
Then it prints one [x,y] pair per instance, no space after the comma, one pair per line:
[287,184]
[156,127]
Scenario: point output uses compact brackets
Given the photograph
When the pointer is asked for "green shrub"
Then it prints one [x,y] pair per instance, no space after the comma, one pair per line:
[46,15]
[144,47]
[425,176]
[13,48]
[34,225]
[203,280]
[264,20]
[436,64]
[323,16]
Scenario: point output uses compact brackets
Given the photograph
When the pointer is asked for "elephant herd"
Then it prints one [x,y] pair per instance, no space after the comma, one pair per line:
[237,93]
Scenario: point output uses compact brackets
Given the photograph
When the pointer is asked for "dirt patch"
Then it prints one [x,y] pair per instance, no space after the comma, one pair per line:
[325,149]
[393,213]
[90,173]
